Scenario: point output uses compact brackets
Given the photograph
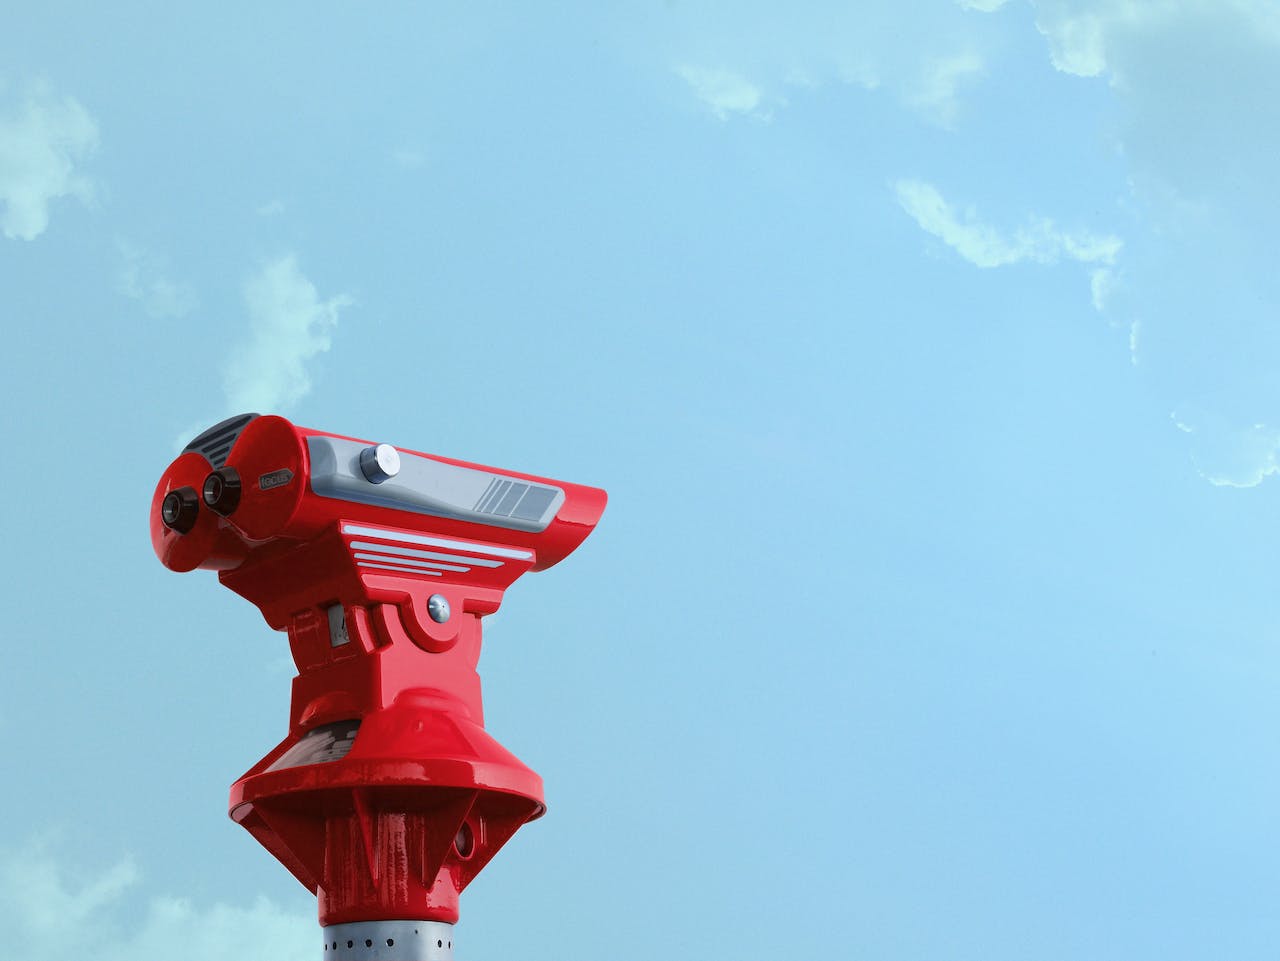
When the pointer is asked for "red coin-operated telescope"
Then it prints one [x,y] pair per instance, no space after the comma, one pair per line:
[387,796]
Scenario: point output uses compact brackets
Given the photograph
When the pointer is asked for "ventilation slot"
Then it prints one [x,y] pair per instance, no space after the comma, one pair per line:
[215,443]
[516,499]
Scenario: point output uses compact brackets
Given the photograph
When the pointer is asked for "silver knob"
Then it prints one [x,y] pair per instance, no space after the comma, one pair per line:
[438,608]
[379,463]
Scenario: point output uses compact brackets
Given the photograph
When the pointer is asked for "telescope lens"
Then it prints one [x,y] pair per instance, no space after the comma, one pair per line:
[179,509]
[171,509]
[222,490]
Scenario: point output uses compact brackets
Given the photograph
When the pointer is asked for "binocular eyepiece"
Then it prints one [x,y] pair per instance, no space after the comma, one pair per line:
[179,509]
[220,493]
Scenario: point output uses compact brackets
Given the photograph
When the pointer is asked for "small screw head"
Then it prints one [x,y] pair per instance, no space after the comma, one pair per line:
[438,608]
[379,463]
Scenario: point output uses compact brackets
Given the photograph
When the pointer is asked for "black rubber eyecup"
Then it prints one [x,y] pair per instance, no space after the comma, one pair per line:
[221,491]
[179,509]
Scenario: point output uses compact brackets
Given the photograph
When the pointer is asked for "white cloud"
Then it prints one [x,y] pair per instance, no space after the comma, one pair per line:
[1230,455]
[725,92]
[141,278]
[289,325]
[1040,241]
[1183,105]
[47,916]
[935,92]
[43,140]
[271,208]
[752,59]
[1092,37]
[930,85]
[1196,85]
[1102,282]
[1077,41]
[34,889]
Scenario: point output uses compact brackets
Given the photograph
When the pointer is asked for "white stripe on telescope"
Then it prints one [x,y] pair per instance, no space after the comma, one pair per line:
[406,537]
[428,555]
[409,561]
[406,570]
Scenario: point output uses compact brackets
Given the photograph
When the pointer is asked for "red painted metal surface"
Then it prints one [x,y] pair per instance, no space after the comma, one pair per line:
[422,799]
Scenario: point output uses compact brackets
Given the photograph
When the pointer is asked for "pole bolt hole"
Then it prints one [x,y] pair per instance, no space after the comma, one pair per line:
[464,843]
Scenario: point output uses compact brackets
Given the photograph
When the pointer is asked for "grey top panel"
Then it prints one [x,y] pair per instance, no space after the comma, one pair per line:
[426,486]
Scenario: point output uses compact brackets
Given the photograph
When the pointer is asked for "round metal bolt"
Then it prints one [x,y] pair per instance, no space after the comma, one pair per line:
[379,463]
[438,608]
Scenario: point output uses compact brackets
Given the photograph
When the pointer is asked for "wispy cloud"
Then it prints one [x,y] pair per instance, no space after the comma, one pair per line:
[927,57]
[51,912]
[44,139]
[289,324]
[1102,284]
[935,92]
[1094,37]
[1038,241]
[141,277]
[726,93]
[1077,40]
[983,6]
[1197,86]
[1230,455]
[931,86]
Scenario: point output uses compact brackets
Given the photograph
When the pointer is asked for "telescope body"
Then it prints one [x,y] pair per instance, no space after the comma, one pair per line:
[387,796]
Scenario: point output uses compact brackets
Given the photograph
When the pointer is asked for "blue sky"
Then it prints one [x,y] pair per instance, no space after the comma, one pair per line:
[928,352]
